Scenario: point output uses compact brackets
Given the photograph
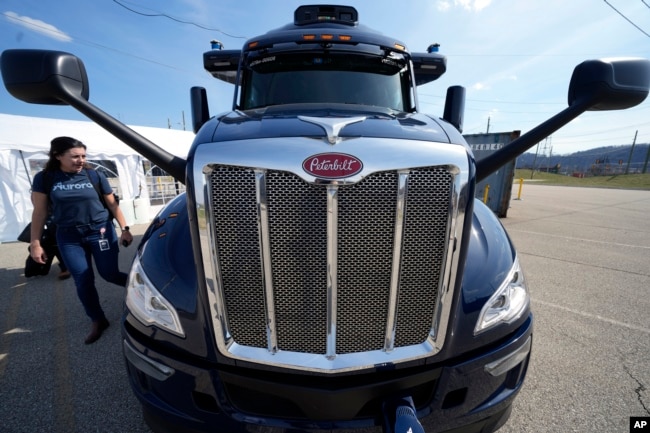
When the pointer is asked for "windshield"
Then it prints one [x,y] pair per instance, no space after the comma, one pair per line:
[345,78]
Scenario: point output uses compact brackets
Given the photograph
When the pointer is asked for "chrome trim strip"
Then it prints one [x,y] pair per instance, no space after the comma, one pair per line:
[400,210]
[508,362]
[332,267]
[448,280]
[210,262]
[265,252]
[145,364]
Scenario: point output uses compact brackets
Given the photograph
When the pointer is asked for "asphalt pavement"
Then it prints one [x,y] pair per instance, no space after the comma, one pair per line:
[586,256]
[50,381]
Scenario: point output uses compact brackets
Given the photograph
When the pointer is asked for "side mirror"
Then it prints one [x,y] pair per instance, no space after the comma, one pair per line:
[222,64]
[428,67]
[455,107]
[610,84]
[200,110]
[58,78]
[44,77]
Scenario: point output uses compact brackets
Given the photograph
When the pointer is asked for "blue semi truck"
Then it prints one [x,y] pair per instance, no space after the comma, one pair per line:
[328,268]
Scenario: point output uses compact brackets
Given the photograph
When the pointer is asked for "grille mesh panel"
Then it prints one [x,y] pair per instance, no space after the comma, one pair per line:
[234,201]
[366,230]
[298,233]
[297,215]
[425,229]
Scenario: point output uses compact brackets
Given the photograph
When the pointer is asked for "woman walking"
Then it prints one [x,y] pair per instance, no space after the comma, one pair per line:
[85,229]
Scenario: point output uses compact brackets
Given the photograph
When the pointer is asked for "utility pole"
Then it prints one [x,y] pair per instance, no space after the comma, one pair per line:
[544,153]
[532,171]
[629,159]
[488,126]
[169,124]
[645,164]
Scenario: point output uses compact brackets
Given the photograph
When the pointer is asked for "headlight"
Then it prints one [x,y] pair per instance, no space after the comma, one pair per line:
[148,305]
[507,304]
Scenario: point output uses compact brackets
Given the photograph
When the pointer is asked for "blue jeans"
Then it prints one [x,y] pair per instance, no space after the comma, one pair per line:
[77,246]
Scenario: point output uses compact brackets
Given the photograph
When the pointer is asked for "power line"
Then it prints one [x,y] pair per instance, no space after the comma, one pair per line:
[626,18]
[160,14]
[494,101]
[90,43]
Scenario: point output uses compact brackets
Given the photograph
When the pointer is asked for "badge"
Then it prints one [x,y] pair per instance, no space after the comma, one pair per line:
[104,245]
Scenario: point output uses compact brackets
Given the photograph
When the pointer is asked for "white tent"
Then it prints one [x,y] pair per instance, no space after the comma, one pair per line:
[25,138]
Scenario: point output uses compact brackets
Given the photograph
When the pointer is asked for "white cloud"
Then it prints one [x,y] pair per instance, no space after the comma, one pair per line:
[473,5]
[470,5]
[480,86]
[481,4]
[38,26]
[443,5]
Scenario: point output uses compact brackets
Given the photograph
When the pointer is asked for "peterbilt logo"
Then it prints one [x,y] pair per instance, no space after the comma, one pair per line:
[332,165]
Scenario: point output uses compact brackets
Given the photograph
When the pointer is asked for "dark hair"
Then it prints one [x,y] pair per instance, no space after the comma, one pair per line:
[59,146]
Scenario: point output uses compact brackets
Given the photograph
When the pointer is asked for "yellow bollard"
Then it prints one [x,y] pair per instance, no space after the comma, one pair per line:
[521,185]
[485,193]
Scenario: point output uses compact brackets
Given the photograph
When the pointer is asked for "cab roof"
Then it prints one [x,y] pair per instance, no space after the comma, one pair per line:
[324,24]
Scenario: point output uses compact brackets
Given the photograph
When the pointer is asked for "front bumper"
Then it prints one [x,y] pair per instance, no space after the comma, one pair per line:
[473,394]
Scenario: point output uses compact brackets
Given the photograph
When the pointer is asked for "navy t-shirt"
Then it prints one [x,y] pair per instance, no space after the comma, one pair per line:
[73,197]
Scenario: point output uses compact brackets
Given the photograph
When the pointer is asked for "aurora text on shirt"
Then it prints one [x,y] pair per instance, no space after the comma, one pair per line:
[70,187]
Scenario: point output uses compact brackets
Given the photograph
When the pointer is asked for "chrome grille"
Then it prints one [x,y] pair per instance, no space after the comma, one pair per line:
[233,198]
[425,231]
[366,223]
[297,236]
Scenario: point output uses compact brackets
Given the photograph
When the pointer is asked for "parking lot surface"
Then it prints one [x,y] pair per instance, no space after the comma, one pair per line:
[586,256]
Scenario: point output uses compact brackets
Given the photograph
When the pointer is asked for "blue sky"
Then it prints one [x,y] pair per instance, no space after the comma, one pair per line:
[515,58]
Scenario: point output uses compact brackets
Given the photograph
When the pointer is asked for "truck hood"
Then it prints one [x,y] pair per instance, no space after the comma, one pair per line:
[286,121]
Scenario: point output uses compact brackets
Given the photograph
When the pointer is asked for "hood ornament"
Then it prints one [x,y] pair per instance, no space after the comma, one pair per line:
[332,125]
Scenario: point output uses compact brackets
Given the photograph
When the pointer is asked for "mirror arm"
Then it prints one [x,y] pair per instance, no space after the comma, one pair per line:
[493,162]
[172,164]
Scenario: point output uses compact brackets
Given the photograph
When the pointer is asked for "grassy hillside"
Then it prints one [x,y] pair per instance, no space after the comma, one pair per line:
[629,181]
